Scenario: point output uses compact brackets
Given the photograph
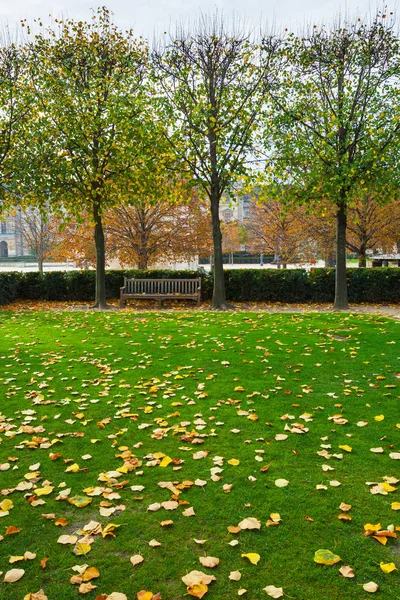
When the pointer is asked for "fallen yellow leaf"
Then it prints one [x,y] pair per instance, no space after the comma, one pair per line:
[326,557]
[388,567]
[253,557]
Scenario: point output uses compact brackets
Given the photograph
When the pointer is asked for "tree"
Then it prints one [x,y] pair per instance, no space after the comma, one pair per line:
[92,122]
[337,119]
[39,233]
[14,113]
[371,226]
[75,242]
[275,228]
[212,84]
[147,232]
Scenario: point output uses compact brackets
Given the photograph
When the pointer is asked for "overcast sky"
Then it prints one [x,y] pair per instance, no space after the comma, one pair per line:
[149,16]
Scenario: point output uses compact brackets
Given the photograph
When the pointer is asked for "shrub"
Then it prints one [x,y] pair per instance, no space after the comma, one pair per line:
[9,287]
[32,286]
[242,285]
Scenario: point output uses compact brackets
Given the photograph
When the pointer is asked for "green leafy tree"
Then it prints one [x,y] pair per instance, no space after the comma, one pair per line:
[92,122]
[14,112]
[212,85]
[338,119]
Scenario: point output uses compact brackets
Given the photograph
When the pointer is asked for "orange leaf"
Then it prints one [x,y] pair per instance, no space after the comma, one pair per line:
[143,595]
[198,590]
[11,530]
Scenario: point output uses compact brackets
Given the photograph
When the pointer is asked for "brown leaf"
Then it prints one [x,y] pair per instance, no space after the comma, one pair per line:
[346,571]
[209,561]
[250,523]
[234,529]
[91,573]
[136,559]
[40,595]
[197,577]
[43,562]
[370,587]
[12,530]
[13,575]
[85,588]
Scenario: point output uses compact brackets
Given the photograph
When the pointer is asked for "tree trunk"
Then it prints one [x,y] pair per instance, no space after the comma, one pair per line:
[362,259]
[142,263]
[40,265]
[329,256]
[341,301]
[218,298]
[100,301]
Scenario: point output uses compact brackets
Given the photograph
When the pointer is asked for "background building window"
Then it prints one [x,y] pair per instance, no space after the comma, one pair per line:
[3,249]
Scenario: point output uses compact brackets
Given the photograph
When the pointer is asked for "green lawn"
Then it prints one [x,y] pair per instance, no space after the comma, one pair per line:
[171,398]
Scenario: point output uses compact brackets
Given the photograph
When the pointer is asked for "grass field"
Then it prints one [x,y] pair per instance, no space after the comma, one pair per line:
[197,418]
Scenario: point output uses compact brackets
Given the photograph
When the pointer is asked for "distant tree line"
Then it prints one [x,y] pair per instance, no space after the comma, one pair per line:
[140,144]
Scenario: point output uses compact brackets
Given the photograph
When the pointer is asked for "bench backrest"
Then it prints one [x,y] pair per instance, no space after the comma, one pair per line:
[162,286]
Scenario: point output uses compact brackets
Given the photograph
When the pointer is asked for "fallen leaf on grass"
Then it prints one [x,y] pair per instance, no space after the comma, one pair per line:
[326,557]
[13,575]
[81,549]
[387,567]
[189,512]
[79,501]
[273,591]
[67,539]
[250,523]
[198,590]
[281,483]
[209,561]
[144,595]
[11,530]
[241,591]
[90,573]
[136,559]
[40,595]
[395,505]
[346,448]
[235,575]
[253,557]
[85,588]
[346,571]
[370,587]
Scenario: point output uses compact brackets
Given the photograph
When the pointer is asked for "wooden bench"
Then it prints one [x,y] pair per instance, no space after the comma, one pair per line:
[161,289]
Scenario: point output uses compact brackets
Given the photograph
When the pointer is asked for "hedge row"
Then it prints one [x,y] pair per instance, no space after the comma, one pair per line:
[242,285]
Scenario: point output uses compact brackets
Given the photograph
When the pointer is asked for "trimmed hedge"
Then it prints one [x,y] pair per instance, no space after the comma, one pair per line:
[378,285]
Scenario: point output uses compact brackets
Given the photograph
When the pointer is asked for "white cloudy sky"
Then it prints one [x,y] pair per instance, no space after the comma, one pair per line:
[147,16]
